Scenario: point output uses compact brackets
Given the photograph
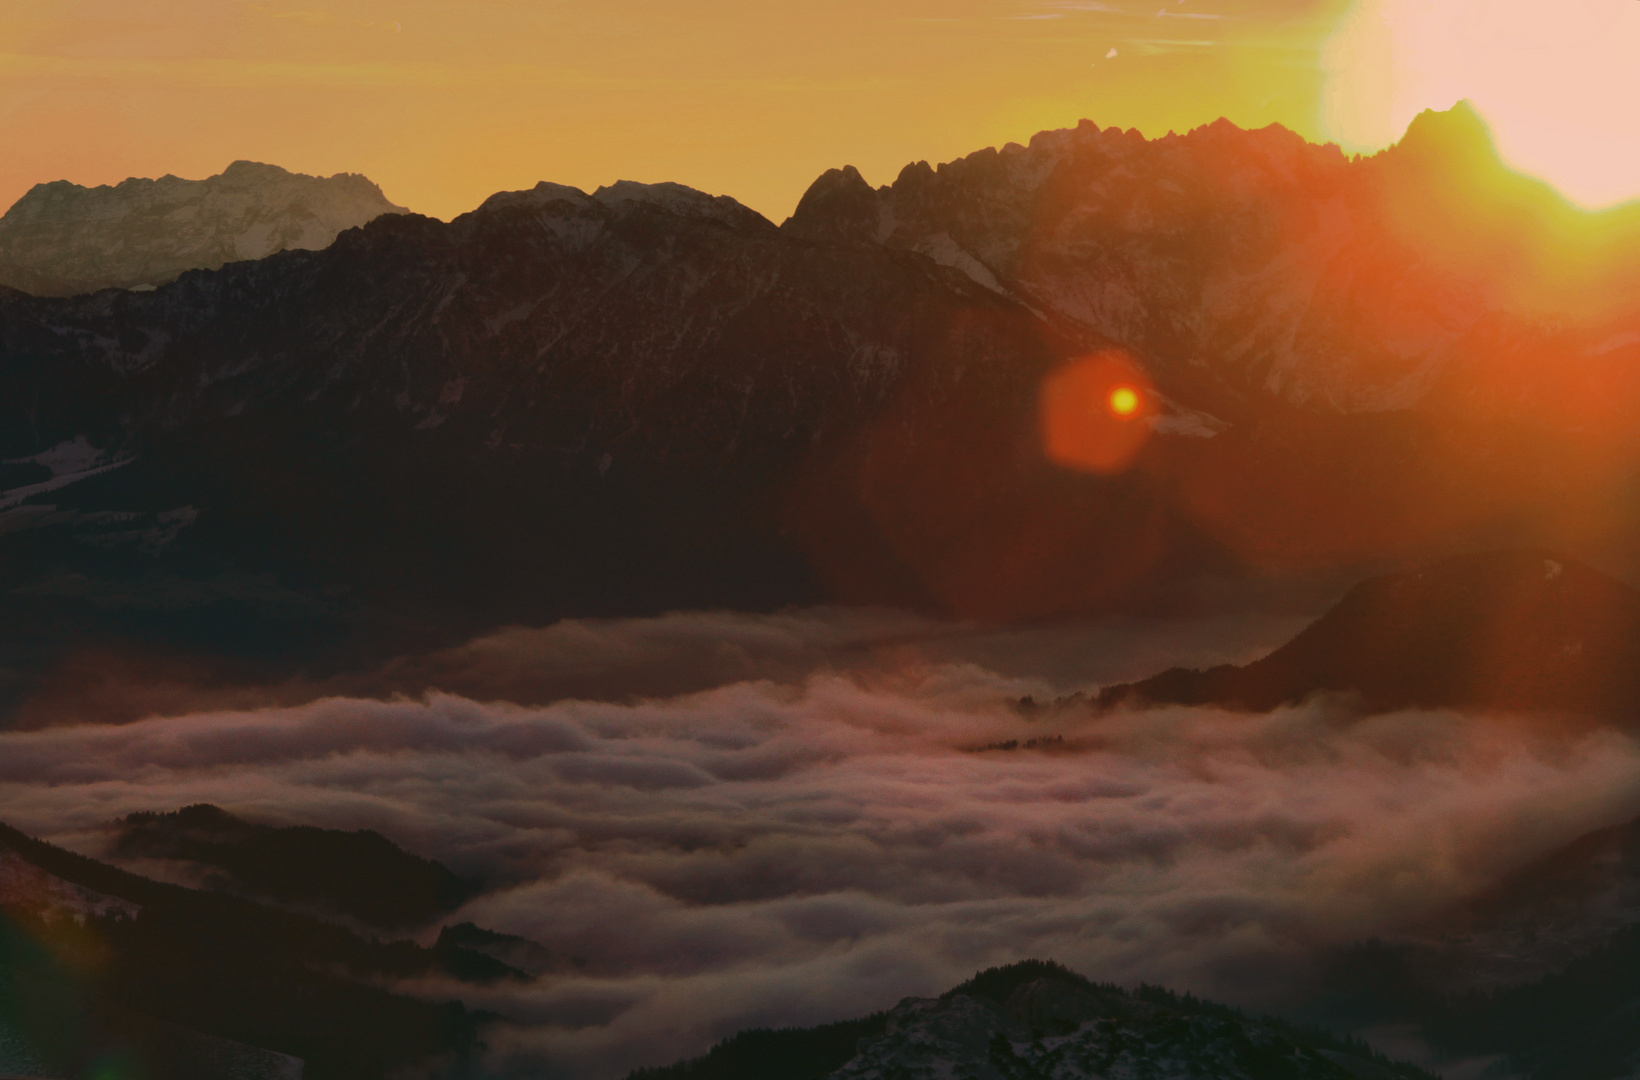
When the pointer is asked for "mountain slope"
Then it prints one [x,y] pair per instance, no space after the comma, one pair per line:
[1039,1021]
[1516,630]
[361,875]
[60,239]
[123,953]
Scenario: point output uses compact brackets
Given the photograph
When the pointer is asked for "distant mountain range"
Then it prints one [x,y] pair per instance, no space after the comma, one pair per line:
[61,239]
[648,398]
[1526,631]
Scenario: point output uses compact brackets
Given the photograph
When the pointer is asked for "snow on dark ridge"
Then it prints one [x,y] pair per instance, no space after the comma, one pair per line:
[1037,1020]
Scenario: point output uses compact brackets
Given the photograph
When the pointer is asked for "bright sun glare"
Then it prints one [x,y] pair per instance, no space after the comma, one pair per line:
[1557,82]
[1124,401]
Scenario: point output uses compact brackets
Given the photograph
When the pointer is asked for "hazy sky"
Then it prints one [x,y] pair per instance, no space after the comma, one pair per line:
[443,103]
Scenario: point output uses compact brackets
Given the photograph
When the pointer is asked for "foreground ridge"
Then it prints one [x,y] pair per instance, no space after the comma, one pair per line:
[1038,1020]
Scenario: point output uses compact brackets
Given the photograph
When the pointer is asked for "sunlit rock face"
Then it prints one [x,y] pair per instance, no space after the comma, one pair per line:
[1354,356]
[61,238]
[1243,264]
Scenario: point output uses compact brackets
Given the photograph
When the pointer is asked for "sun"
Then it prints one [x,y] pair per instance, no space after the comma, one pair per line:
[1556,82]
[1124,401]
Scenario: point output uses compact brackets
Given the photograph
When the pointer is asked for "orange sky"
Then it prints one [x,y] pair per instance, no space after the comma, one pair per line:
[750,98]
[443,103]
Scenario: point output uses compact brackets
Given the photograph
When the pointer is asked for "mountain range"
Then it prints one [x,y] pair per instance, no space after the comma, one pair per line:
[60,238]
[647,398]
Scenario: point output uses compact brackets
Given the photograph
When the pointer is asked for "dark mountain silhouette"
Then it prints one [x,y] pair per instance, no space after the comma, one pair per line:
[1528,631]
[61,239]
[514,951]
[362,874]
[1037,1019]
[99,955]
[648,398]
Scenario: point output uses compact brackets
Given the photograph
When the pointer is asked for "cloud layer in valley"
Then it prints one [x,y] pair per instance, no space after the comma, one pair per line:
[815,845]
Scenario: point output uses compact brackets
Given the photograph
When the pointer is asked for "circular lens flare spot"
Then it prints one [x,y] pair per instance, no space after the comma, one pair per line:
[1092,412]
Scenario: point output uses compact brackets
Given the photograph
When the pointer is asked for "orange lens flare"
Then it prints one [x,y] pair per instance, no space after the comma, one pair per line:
[1089,410]
[1124,401]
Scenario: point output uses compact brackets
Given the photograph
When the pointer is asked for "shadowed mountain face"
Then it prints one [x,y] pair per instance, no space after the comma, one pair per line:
[61,239]
[648,398]
[361,875]
[558,404]
[1527,631]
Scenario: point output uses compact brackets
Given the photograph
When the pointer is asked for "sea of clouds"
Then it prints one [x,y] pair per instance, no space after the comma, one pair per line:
[798,820]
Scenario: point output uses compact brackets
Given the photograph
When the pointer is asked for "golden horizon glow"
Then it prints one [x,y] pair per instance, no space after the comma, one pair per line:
[444,103]
[1556,83]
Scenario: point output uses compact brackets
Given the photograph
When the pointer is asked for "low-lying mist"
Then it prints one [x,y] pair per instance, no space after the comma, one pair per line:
[801,821]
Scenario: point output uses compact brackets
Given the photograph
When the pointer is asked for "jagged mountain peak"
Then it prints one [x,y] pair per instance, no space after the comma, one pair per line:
[238,176]
[839,206]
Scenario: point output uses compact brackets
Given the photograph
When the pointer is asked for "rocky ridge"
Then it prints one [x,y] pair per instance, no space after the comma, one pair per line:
[1037,1020]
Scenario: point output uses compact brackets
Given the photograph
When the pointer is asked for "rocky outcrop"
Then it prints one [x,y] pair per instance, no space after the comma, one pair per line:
[61,239]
